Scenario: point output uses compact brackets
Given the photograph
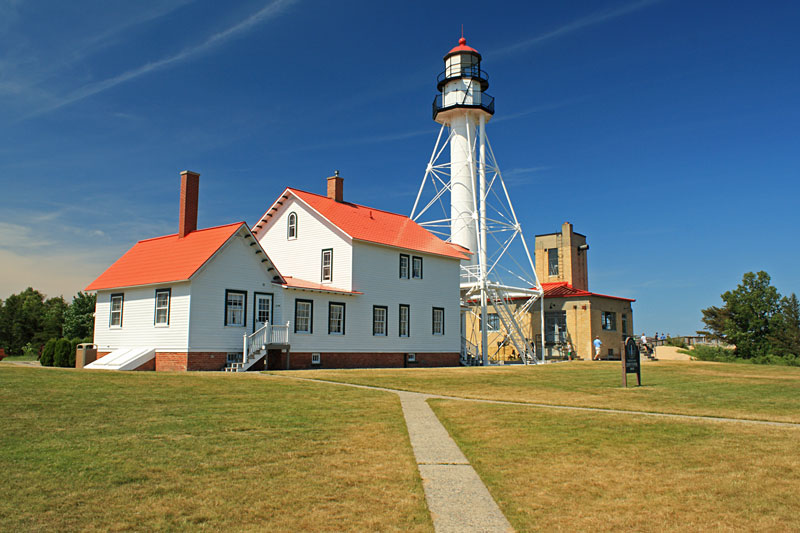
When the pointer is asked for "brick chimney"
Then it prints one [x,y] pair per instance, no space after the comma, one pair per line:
[190,185]
[336,187]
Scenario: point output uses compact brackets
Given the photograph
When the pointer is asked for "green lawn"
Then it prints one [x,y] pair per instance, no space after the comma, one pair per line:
[577,471]
[697,388]
[19,358]
[83,450]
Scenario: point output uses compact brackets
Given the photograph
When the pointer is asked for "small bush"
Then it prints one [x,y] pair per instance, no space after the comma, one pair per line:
[73,349]
[61,356]
[703,352]
[48,353]
[30,351]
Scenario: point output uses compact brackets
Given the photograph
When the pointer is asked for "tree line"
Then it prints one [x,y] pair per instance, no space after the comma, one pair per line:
[760,324]
[29,320]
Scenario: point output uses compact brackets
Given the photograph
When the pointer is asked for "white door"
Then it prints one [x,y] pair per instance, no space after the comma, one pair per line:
[263,310]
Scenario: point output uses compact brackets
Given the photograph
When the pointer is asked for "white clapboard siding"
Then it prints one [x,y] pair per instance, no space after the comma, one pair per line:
[138,319]
[236,266]
[376,274]
[302,257]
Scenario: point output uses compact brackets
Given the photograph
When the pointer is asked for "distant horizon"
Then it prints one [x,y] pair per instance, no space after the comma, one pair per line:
[664,131]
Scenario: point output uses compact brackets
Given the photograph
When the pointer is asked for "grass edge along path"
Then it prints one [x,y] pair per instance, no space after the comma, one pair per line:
[115,451]
[578,471]
[721,390]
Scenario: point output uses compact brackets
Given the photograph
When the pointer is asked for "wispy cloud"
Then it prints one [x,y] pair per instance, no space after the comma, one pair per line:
[266,13]
[584,22]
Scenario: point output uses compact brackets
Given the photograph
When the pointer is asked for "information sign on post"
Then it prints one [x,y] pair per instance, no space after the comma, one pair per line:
[631,363]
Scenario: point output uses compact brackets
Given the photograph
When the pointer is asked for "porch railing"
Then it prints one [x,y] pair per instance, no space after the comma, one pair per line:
[263,337]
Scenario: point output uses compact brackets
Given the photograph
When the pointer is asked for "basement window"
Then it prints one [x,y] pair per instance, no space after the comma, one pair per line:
[316,359]
[412,358]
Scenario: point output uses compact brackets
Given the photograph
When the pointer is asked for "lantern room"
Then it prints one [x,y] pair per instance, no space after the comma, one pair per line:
[462,83]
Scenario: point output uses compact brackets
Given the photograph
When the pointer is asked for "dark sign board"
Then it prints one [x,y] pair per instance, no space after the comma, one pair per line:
[631,363]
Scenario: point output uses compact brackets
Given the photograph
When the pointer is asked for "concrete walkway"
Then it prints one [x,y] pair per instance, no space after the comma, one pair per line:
[457,498]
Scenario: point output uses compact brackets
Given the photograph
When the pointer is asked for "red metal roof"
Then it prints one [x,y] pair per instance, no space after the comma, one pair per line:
[297,283]
[462,47]
[562,289]
[382,227]
[164,259]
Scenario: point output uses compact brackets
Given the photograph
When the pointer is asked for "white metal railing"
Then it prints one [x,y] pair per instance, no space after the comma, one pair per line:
[263,337]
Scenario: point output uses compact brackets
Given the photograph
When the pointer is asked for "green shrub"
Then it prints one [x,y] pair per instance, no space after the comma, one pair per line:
[703,352]
[30,351]
[74,348]
[48,353]
[61,356]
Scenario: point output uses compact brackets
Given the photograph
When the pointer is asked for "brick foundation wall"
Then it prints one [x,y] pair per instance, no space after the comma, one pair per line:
[181,361]
[302,360]
[207,360]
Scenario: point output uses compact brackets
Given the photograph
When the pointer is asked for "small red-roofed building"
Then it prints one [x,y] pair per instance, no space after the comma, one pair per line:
[318,283]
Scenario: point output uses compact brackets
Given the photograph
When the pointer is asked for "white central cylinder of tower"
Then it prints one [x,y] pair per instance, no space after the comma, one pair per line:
[463,229]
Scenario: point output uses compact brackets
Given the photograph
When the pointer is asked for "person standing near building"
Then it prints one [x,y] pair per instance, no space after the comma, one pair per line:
[645,347]
[597,344]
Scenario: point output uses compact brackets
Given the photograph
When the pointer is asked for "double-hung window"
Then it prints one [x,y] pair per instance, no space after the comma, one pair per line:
[438,321]
[405,320]
[303,316]
[235,304]
[404,266]
[380,315]
[327,265]
[162,307]
[115,318]
[335,318]
[416,267]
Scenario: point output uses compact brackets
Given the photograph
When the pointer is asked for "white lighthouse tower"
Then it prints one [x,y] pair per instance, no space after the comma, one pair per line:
[480,207]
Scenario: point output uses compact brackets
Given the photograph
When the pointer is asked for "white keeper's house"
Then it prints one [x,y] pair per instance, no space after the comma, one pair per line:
[318,283]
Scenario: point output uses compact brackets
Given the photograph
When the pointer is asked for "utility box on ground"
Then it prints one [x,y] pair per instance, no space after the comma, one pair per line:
[85,353]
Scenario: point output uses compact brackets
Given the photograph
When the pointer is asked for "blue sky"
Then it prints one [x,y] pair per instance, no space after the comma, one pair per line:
[666,131]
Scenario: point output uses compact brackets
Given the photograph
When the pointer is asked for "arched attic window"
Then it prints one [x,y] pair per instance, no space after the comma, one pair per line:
[291,226]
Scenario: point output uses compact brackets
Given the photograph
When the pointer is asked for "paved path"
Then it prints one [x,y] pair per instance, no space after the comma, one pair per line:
[457,499]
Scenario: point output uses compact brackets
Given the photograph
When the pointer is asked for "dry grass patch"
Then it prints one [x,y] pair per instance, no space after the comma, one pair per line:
[684,387]
[139,451]
[569,471]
